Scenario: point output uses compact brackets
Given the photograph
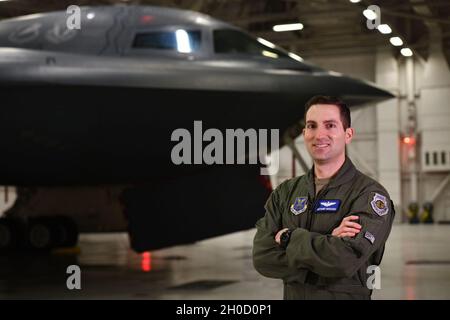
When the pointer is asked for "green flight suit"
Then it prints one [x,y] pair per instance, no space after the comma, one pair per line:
[315,264]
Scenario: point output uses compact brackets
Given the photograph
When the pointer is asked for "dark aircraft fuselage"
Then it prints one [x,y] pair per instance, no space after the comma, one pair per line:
[98,105]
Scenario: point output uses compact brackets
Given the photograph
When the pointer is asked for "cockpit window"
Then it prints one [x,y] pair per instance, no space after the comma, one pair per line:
[180,40]
[234,41]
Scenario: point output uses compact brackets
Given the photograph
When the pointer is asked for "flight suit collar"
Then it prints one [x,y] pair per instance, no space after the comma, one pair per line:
[344,175]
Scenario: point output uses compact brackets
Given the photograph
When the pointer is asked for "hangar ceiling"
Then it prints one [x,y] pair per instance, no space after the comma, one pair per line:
[330,26]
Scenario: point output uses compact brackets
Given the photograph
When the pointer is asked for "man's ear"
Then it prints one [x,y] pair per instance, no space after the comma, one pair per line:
[303,132]
[349,135]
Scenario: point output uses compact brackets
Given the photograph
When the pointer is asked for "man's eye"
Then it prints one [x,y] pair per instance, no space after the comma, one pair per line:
[331,125]
[309,126]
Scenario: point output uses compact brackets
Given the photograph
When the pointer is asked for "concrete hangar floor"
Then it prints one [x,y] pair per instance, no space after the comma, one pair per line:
[416,265]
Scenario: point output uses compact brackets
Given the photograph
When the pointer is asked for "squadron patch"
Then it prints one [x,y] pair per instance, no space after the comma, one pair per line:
[369,237]
[299,205]
[379,204]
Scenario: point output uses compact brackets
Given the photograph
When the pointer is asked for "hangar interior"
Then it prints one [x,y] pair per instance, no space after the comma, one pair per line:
[403,142]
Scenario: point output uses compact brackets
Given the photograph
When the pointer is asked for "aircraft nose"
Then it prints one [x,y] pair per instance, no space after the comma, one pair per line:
[355,91]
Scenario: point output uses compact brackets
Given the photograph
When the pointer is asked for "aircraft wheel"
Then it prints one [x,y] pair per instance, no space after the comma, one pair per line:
[66,231]
[11,234]
[41,234]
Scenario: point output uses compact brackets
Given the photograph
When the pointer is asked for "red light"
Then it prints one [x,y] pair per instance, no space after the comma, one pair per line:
[146,19]
[408,140]
[146,262]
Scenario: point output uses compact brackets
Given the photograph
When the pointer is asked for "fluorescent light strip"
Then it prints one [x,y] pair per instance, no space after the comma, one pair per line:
[266,43]
[295,57]
[288,27]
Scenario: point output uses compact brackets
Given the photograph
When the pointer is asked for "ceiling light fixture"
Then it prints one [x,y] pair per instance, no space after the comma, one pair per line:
[396,41]
[288,27]
[370,14]
[406,52]
[384,29]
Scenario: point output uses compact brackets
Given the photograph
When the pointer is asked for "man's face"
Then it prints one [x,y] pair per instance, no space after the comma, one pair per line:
[324,133]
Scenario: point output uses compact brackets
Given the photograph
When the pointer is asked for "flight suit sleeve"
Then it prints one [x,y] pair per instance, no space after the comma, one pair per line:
[268,258]
[331,256]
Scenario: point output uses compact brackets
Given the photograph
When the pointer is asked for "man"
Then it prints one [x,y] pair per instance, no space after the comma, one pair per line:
[322,231]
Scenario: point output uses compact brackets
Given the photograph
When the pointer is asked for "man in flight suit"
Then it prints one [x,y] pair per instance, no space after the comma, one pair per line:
[321,231]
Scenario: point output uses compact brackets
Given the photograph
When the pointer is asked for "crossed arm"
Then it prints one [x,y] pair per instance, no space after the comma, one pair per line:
[337,255]
[347,228]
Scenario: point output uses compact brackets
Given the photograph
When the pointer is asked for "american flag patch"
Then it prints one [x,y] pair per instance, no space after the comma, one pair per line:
[369,237]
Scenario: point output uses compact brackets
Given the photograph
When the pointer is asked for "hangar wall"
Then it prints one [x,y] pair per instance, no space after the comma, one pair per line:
[434,127]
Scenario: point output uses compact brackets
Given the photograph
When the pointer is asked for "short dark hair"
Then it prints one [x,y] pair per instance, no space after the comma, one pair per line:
[343,109]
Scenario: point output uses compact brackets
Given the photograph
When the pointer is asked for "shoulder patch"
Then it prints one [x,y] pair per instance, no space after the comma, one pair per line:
[299,206]
[379,204]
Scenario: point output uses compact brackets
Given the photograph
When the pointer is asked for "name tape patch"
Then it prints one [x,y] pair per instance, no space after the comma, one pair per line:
[330,205]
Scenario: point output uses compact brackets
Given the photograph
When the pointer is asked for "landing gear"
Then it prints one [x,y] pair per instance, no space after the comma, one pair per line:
[37,234]
[12,233]
[40,235]
[66,231]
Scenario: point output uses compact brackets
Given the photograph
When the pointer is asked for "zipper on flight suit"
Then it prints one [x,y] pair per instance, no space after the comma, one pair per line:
[311,277]
[310,218]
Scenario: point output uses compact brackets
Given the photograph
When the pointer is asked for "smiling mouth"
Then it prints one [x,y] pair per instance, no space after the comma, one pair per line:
[321,146]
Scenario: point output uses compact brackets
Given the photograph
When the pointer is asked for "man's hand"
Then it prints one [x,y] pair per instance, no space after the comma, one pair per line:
[278,235]
[347,228]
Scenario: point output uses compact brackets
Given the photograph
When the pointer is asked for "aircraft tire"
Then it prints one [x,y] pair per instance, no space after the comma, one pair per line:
[66,231]
[41,234]
[11,234]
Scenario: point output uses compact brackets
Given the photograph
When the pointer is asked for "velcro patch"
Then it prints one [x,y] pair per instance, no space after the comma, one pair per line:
[299,206]
[379,204]
[369,237]
[329,205]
